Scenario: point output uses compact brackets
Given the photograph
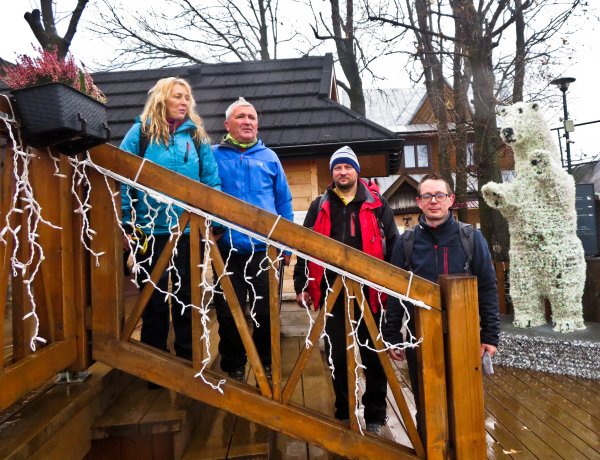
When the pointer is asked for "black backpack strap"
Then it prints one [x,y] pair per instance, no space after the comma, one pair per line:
[408,241]
[198,145]
[467,241]
[144,141]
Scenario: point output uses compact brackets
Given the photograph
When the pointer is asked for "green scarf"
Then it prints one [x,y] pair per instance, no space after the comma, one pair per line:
[232,141]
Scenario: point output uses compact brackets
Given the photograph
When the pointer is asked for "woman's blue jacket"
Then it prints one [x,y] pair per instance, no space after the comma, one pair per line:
[179,156]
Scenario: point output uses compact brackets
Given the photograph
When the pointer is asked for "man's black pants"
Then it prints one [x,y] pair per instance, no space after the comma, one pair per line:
[374,398]
[231,348]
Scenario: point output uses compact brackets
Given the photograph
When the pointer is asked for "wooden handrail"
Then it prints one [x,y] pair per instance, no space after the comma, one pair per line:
[260,221]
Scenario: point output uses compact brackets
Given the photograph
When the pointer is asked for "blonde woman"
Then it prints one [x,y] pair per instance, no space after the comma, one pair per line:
[170,133]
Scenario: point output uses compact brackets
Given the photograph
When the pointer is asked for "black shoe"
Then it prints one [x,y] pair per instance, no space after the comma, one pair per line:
[268,373]
[238,374]
[374,428]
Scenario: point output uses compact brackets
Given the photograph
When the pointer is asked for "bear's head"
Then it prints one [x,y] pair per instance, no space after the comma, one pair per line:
[519,121]
[524,129]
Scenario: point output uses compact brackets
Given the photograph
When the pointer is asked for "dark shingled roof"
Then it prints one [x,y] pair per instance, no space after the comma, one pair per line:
[297,118]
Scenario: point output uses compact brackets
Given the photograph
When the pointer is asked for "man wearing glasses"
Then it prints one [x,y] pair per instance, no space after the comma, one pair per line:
[437,249]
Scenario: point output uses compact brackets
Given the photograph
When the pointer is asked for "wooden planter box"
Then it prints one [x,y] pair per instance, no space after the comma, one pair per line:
[55,114]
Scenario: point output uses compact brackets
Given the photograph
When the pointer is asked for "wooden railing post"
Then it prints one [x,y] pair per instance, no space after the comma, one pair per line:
[107,275]
[80,268]
[275,302]
[197,292]
[433,416]
[463,366]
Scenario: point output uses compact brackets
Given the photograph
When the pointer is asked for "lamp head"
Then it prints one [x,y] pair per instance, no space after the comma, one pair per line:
[562,83]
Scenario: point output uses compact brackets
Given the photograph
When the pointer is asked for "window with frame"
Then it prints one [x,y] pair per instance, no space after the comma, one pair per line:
[417,156]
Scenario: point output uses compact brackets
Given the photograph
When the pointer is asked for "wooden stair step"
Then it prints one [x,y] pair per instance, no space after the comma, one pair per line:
[55,422]
[221,435]
[141,410]
[145,423]
[123,417]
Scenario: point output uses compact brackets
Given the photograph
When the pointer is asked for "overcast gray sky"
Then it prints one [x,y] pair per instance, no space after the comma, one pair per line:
[583,97]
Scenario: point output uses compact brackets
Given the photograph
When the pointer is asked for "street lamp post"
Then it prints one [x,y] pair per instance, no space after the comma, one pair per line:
[563,84]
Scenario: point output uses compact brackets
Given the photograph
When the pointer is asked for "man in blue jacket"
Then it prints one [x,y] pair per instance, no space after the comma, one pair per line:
[251,172]
[438,250]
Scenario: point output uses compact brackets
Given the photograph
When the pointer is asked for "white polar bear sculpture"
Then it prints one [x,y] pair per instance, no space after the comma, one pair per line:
[546,256]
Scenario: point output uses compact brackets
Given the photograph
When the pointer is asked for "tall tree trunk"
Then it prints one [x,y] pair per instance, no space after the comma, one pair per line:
[43,26]
[344,43]
[435,84]
[487,142]
[519,54]
[461,79]
[264,33]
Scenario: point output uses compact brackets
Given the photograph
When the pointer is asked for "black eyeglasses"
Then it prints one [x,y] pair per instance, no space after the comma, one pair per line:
[439,197]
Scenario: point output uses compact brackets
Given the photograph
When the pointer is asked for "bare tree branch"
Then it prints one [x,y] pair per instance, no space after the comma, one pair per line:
[43,26]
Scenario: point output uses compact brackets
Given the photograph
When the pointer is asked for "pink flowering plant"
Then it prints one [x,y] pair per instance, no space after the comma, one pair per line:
[48,68]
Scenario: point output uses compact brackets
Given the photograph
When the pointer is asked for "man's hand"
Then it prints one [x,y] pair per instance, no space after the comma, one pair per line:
[396,354]
[491,349]
[303,298]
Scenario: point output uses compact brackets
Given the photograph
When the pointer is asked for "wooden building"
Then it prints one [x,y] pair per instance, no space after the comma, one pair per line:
[300,117]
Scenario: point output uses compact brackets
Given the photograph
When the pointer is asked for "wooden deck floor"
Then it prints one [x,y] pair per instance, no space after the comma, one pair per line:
[535,415]
[529,414]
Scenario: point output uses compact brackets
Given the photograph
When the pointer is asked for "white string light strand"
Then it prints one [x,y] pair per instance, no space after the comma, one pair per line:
[31,216]
[260,237]
[209,218]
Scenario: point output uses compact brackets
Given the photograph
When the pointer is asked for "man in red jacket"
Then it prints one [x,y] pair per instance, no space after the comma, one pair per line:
[352,213]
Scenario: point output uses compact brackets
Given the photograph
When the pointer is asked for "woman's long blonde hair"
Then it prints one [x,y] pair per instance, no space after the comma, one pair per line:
[154,116]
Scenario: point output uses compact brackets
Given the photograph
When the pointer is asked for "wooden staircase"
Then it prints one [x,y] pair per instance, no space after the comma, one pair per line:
[161,424]
[54,422]
[144,423]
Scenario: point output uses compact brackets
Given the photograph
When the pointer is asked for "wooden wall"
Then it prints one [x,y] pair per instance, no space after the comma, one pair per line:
[302,178]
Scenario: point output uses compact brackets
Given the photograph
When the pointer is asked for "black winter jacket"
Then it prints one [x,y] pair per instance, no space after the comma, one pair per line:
[438,251]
